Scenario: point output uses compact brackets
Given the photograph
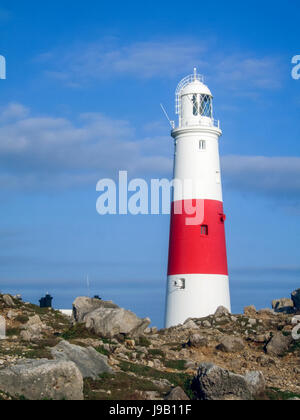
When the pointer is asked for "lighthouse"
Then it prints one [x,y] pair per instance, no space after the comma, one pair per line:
[198,280]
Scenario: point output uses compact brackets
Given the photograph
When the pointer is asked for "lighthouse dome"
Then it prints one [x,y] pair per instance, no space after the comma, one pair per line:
[194,102]
[195,87]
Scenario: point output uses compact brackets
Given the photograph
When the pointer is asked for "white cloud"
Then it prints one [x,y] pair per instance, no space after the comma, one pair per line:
[272,176]
[105,59]
[42,150]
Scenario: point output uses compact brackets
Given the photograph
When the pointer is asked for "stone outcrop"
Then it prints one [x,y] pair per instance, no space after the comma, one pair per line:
[90,363]
[221,311]
[283,305]
[197,341]
[8,301]
[214,383]
[43,379]
[296,299]
[107,319]
[278,345]
[230,344]
[33,330]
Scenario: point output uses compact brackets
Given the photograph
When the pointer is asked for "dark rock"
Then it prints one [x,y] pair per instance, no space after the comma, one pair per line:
[296,299]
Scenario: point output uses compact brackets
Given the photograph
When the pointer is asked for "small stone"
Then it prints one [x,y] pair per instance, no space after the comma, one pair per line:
[177,394]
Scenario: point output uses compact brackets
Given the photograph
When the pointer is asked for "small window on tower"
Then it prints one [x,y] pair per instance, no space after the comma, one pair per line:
[202,145]
[204,230]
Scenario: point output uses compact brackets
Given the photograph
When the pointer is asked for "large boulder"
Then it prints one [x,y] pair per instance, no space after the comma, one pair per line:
[107,319]
[278,345]
[90,363]
[231,344]
[85,305]
[296,299]
[213,383]
[283,305]
[43,380]
[8,301]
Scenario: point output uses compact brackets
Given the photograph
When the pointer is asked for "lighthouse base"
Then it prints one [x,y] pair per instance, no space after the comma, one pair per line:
[195,296]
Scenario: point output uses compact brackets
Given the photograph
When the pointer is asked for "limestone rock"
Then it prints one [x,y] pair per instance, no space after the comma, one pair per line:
[230,344]
[296,299]
[43,379]
[107,319]
[8,301]
[283,306]
[90,363]
[33,330]
[177,394]
[278,345]
[214,383]
[221,311]
[84,305]
[250,310]
[197,340]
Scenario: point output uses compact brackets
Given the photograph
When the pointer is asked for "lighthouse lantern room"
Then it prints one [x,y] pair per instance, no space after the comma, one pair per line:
[198,280]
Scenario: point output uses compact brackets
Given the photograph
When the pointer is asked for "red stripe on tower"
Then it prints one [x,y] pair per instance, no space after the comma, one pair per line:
[199,249]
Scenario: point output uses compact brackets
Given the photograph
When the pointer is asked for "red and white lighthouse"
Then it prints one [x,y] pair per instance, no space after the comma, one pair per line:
[198,280]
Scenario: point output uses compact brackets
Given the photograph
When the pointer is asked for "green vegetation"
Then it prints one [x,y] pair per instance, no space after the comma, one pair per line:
[143,342]
[175,364]
[177,379]
[77,331]
[22,319]
[275,394]
[13,331]
[156,353]
[102,350]
[124,387]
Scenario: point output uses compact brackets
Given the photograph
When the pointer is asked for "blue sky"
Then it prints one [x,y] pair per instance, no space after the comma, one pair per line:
[81,102]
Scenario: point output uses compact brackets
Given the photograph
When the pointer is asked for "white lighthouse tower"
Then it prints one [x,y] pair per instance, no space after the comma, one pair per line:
[198,272]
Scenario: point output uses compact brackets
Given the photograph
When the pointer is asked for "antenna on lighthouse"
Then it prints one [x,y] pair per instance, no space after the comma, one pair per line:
[172,123]
[195,73]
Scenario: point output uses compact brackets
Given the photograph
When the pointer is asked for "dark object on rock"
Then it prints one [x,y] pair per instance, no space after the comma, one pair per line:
[284,305]
[296,299]
[177,394]
[213,383]
[278,345]
[97,297]
[46,302]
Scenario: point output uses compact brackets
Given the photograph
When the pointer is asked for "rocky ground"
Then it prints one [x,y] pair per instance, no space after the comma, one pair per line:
[108,353]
